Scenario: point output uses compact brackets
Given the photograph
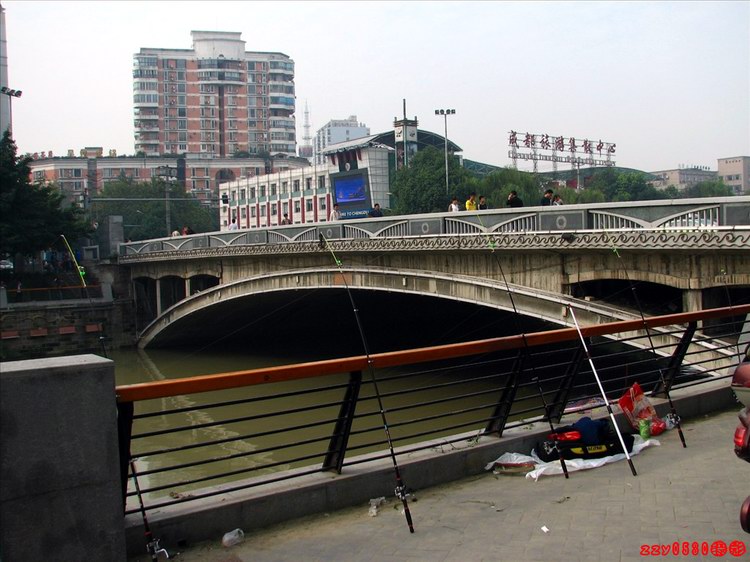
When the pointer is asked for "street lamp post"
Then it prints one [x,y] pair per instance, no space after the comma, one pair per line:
[11,94]
[166,172]
[445,113]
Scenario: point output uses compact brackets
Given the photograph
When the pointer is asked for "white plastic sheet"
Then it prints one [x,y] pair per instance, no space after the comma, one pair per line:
[553,467]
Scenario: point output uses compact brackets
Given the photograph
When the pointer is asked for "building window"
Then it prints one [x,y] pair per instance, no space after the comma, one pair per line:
[297,206]
[322,203]
[309,205]
[308,183]
[273,190]
[296,185]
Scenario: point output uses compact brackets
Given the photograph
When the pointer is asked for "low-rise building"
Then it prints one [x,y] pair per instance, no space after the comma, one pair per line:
[354,174]
[86,174]
[735,173]
[682,177]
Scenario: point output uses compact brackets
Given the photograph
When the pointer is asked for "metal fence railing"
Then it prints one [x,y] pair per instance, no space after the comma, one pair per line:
[203,436]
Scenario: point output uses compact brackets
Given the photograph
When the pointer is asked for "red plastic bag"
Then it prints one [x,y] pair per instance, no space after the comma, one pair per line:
[636,406]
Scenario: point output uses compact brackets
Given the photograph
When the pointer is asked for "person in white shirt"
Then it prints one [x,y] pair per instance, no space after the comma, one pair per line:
[335,213]
[233,226]
[454,207]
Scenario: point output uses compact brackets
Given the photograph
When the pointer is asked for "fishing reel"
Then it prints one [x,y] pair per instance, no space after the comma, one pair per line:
[154,549]
[401,493]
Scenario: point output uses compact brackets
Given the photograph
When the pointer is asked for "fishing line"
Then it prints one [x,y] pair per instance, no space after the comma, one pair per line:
[601,389]
[400,490]
[81,273]
[667,393]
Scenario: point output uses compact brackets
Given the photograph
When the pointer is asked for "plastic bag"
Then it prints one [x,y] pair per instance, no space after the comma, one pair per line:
[636,406]
[232,538]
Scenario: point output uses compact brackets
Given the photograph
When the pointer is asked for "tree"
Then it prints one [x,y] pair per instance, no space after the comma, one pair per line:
[497,185]
[33,216]
[143,208]
[709,188]
[420,187]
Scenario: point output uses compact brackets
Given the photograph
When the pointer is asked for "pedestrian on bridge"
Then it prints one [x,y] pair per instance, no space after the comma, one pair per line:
[471,202]
[454,207]
[335,213]
[514,200]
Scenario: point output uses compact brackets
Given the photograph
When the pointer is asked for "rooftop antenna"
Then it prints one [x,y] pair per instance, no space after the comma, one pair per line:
[306,137]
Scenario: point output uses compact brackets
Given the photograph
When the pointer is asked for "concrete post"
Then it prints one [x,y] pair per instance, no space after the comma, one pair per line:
[60,495]
[187,287]
[158,297]
[692,301]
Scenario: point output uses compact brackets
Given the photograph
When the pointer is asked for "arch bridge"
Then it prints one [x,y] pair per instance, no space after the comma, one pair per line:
[695,251]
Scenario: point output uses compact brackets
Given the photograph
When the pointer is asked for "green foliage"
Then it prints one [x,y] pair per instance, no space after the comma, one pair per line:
[497,185]
[714,188]
[33,216]
[420,187]
[144,219]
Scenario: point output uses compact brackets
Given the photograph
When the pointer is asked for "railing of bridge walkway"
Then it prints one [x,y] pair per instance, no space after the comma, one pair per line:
[197,437]
[673,215]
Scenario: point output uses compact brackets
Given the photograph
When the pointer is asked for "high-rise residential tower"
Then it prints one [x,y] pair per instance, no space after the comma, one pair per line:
[336,131]
[216,99]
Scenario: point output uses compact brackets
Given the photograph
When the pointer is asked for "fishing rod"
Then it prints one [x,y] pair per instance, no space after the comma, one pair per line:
[152,544]
[601,389]
[527,352]
[552,428]
[81,273]
[667,394]
[400,490]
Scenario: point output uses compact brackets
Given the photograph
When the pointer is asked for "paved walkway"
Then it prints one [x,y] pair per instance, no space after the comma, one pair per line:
[604,514]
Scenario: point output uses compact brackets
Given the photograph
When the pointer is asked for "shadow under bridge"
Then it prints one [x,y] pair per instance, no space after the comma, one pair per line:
[296,305]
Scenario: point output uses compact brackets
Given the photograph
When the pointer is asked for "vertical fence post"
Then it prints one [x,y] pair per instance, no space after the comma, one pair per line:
[502,409]
[566,384]
[124,431]
[334,458]
[675,362]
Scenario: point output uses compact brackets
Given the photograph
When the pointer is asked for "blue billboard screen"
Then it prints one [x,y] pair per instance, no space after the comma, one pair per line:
[350,189]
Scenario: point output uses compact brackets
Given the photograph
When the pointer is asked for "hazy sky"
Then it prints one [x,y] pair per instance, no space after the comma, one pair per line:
[669,82]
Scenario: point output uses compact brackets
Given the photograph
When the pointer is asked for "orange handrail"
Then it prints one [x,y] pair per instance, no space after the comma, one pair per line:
[235,379]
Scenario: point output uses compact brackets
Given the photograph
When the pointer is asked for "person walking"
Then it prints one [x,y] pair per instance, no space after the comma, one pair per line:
[454,207]
[376,212]
[482,205]
[335,213]
[546,198]
[557,200]
[514,200]
[471,202]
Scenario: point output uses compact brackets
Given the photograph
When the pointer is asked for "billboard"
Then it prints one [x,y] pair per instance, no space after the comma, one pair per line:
[351,190]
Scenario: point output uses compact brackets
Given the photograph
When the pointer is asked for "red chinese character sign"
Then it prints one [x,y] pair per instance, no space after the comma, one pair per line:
[560,148]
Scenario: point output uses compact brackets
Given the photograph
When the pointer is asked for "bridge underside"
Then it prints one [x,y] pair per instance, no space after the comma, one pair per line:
[321,323]
[399,309]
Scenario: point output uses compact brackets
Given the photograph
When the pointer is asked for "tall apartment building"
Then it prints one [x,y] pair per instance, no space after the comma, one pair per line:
[735,172]
[336,131]
[215,99]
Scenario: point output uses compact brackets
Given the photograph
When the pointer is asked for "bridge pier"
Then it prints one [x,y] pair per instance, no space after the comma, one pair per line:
[159,308]
[692,301]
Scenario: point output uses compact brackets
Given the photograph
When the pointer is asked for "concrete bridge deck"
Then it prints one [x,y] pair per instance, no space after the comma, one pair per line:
[688,495]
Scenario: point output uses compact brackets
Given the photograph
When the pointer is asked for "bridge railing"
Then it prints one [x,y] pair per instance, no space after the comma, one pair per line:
[682,214]
[199,437]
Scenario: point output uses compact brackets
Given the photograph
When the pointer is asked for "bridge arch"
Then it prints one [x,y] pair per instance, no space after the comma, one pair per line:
[542,305]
